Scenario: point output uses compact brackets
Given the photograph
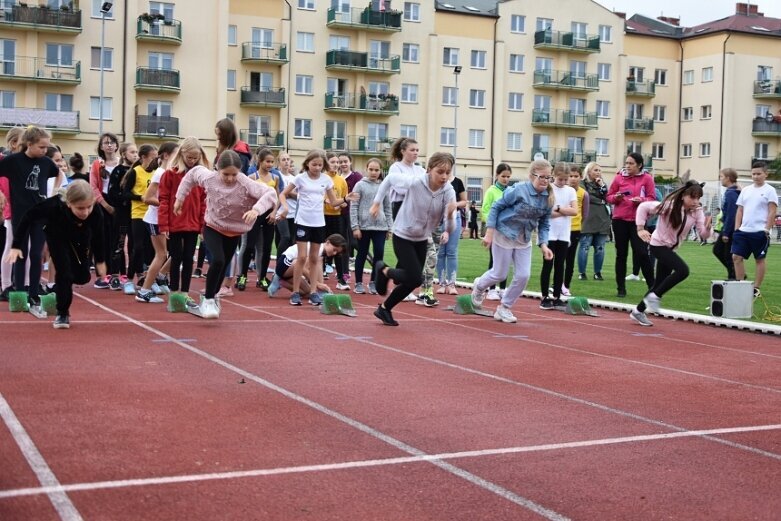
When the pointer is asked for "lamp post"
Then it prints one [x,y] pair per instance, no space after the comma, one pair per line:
[456,72]
[105,8]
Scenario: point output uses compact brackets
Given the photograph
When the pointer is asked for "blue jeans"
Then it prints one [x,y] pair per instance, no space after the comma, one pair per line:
[447,258]
[586,241]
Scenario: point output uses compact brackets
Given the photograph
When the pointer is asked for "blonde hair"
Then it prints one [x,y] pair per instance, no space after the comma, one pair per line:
[536,166]
[587,170]
[561,169]
[13,137]
[314,154]
[78,191]
[34,134]
[440,158]
[189,144]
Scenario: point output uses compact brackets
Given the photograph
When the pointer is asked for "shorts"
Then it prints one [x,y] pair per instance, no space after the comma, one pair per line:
[744,244]
[153,229]
[314,234]
[282,265]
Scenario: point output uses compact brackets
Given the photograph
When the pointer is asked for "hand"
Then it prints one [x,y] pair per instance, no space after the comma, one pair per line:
[724,239]
[283,212]
[488,239]
[323,287]
[619,195]
[444,238]
[637,199]
[644,235]
[357,233]
[374,211]
[547,253]
[250,216]
[178,207]
[109,209]
[352,196]
[272,218]
[13,255]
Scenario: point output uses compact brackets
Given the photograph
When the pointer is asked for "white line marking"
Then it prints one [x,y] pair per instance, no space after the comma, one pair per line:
[347,465]
[59,499]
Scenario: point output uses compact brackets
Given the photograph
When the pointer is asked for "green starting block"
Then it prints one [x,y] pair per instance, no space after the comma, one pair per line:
[465,306]
[580,306]
[17,301]
[177,303]
[338,305]
[49,303]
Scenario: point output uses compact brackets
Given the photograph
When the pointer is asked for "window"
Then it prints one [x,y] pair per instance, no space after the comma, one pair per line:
[476,138]
[94,108]
[516,63]
[660,76]
[8,99]
[540,142]
[576,144]
[764,73]
[161,60]
[306,4]
[378,87]
[660,113]
[577,69]
[577,106]
[634,146]
[602,144]
[688,77]
[686,150]
[447,136]
[450,56]
[262,38]
[304,84]
[657,151]
[704,149]
[233,38]
[514,141]
[517,23]
[578,30]
[164,8]
[108,58]
[707,74]
[377,133]
[337,131]
[159,108]
[231,79]
[410,52]
[411,12]
[449,96]
[636,74]
[605,33]
[477,98]
[705,112]
[687,114]
[409,93]
[544,24]
[762,111]
[478,60]
[59,102]
[59,54]
[260,126]
[603,71]
[543,64]
[341,43]
[474,188]
[515,101]
[96,5]
[302,128]
[408,131]
[761,151]
[542,102]
[603,109]
[634,111]
[8,56]
[305,42]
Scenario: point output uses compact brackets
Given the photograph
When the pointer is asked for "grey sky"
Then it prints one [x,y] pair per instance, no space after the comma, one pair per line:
[691,12]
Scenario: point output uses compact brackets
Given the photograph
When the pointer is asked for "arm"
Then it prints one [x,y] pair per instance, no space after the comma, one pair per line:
[584,210]
[613,194]
[645,210]
[192,178]
[772,208]
[738,218]
[130,182]
[97,183]
[703,223]
[289,188]
[728,212]
[354,224]
[163,196]
[393,180]
[41,212]
[150,195]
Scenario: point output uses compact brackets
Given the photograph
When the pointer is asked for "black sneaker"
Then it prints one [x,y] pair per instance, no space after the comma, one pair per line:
[4,295]
[598,276]
[621,293]
[757,293]
[583,276]
[546,304]
[381,281]
[62,322]
[559,304]
[198,273]
[385,315]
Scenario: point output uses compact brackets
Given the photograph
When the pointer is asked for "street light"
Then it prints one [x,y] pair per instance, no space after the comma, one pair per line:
[456,72]
[105,8]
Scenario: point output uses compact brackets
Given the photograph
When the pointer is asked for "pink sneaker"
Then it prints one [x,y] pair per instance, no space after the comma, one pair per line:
[451,289]
[225,291]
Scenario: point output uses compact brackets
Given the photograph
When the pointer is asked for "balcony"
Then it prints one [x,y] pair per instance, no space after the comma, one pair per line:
[161,127]
[555,155]
[565,41]
[255,52]
[40,18]
[564,80]
[266,97]
[365,20]
[358,145]
[166,80]
[337,59]
[767,127]
[767,89]
[564,119]
[259,138]
[645,89]
[639,126]
[380,104]
[55,121]
[648,159]
[160,30]
[26,68]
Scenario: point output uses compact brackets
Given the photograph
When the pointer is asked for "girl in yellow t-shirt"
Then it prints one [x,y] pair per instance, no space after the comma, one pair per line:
[134,186]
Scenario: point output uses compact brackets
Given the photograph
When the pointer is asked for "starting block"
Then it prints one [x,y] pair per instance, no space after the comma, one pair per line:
[177,303]
[49,303]
[338,305]
[464,306]
[17,301]
[580,306]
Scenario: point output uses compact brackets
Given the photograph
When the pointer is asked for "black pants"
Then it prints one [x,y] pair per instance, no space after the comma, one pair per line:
[142,252]
[721,250]
[377,240]
[283,237]
[120,228]
[408,274]
[624,234]
[559,249]
[222,248]
[335,224]
[73,265]
[259,239]
[572,252]
[181,248]
[37,238]
[108,234]
[671,270]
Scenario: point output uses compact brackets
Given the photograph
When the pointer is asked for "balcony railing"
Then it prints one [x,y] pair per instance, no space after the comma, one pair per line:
[374,104]
[161,31]
[160,126]
[352,60]
[564,119]
[263,98]
[568,41]
[640,88]
[358,145]
[555,155]
[365,19]
[648,159]
[260,138]
[639,126]
[57,121]
[266,53]
[565,80]
[157,79]
[41,18]
[765,127]
[36,69]
[767,89]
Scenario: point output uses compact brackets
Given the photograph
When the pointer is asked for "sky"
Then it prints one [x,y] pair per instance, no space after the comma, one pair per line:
[691,12]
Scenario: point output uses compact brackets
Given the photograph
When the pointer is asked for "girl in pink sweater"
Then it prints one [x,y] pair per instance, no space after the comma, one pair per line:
[233,203]
[678,213]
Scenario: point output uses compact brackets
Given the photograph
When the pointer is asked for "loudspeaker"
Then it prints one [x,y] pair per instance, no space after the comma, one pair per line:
[732,298]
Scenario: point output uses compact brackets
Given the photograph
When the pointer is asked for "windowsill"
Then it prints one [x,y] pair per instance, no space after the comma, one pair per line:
[302,137]
[305,51]
[98,69]
[516,72]
[108,18]
[98,119]
[411,21]
[706,119]
[478,68]
[475,107]
[410,102]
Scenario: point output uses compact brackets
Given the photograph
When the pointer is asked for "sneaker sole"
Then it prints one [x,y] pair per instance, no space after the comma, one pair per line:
[644,324]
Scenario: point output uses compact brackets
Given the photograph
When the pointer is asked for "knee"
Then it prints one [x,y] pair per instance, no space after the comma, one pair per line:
[684,271]
[417,280]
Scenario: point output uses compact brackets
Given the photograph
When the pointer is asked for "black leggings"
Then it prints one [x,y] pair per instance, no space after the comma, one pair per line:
[259,239]
[624,233]
[559,249]
[408,274]
[572,251]
[671,270]
[119,234]
[377,240]
[222,248]
[72,268]
[722,251]
[181,248]
[35,249]
[142,248]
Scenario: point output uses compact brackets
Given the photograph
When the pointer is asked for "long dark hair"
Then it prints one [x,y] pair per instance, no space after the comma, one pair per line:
[673,202]
[399,146]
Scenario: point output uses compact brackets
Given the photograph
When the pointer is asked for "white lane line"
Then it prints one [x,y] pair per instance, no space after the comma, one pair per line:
[362,427]
[59,499]
[348,465]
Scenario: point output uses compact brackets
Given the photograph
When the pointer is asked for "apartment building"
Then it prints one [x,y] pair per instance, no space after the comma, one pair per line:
[490,81]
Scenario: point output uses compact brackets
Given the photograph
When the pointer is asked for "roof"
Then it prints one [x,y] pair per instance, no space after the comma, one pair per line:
[753,24]
[471,7]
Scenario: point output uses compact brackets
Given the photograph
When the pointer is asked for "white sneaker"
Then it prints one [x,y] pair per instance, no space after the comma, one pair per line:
[129,288]
[209,308]
[411,297]
[640,318]
[565,291]
[652,302]
[37,311]
[477,296]
[504,314]
[493,294]
[632,276]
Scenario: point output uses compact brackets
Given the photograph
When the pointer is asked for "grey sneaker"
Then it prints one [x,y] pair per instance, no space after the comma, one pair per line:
[295,299]
[315,299]
[372,288]
[148,296]
[478,296]
[652,302]
[37,311]
[640,318]
[359,289]
[504,314]
[274,285]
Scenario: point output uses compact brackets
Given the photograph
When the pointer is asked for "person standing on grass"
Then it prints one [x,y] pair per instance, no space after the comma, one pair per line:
[233,203]
[473,217]
[522,209]
[351,177]
[723,245]
[754,220]
[14,141]
[134,185]
[366,229]
[575,178]
[595,228]
[429,199]
[494,193]
[678,213]
[119,201]
[99,176]
[447,256]
[333,219]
